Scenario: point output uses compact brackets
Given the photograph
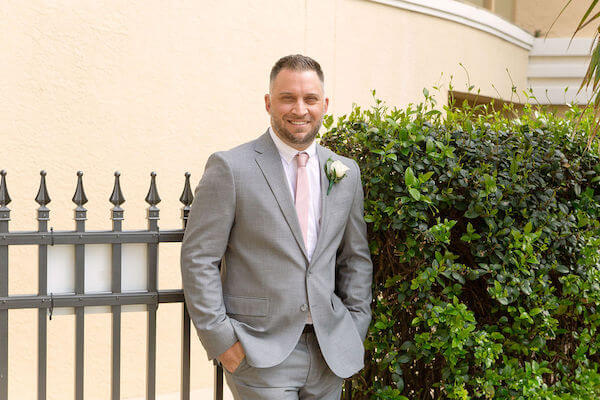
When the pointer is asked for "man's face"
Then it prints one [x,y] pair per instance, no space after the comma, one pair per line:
[296,103]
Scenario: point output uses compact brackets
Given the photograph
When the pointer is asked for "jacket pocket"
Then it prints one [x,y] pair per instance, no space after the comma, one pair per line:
[336,302]
[242,305]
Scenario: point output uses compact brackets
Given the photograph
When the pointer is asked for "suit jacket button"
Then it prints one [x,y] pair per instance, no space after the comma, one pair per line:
[303,307]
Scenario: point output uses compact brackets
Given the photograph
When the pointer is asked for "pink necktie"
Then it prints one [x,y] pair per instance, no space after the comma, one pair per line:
[302,194]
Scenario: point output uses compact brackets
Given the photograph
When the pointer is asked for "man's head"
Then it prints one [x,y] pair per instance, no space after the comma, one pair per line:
[296,100]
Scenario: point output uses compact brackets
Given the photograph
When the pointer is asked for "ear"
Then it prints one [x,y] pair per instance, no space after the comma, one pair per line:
[326,105]
[268,102]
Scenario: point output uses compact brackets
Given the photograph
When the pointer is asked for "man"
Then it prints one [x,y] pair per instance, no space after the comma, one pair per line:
[288,309]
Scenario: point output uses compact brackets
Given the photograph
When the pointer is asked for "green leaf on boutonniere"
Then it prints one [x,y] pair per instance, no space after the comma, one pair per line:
[329,187]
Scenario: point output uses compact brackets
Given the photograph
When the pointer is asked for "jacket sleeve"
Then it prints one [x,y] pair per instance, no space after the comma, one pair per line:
[204,242]
[354,270]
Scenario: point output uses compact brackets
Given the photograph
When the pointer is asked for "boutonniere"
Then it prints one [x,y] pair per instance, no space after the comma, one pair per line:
[335,171]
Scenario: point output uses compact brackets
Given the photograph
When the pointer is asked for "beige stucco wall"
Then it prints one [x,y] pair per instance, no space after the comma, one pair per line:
[533,15]
[109,85]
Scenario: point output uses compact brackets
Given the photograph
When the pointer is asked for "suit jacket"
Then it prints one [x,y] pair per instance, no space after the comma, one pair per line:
[243,214]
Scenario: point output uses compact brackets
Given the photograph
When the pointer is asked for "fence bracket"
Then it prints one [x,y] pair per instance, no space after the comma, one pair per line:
[51,309]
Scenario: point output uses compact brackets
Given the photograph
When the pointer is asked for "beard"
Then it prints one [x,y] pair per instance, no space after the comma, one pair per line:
[291,138]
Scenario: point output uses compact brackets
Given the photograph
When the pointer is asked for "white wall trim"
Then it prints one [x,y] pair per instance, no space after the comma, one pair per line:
[468,15]
[561,95]
[556,69]
[562,47]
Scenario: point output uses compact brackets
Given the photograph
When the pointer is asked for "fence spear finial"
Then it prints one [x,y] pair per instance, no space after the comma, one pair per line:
[42,198]
[152,197]
[187,196]
[79,197]
[116,198]
[4,196]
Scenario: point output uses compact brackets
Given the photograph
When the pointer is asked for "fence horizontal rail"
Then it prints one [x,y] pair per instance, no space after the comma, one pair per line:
[90,300]
[90,237]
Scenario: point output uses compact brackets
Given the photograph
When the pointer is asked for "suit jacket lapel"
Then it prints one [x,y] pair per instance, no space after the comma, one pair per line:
[269,162]
[323,154]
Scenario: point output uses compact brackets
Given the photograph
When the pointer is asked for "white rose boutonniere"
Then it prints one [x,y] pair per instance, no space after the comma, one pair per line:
[335,171]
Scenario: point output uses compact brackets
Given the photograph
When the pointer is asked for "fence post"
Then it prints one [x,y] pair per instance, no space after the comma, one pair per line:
[153,199]
[79,199]
[116,199]
[4,218]
[43,216]
[186,198]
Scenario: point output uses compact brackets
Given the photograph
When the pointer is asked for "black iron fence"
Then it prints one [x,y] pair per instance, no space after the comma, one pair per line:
[46,302]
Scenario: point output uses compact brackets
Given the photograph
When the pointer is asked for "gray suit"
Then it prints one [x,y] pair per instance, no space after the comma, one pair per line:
[243,213]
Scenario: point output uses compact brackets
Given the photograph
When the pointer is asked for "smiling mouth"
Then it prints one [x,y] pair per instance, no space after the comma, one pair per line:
[298,123]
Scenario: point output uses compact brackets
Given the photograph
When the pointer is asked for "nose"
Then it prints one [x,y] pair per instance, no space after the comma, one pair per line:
[300,108]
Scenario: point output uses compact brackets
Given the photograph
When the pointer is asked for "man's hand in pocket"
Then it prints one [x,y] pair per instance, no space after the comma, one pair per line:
[232,357]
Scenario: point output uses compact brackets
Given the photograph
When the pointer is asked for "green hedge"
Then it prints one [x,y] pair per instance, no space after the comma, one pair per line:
[485,237]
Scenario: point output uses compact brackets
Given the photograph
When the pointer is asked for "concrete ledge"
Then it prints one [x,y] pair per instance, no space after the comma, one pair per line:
[556,69]
[200,394]
[561,47]
[468,15]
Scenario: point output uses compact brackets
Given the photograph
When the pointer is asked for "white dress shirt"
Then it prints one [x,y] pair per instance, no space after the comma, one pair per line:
[290,167]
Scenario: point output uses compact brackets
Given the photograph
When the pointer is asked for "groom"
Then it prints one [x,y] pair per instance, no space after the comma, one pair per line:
[275,262]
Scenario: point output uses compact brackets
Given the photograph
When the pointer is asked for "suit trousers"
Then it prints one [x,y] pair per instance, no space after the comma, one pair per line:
[304,375]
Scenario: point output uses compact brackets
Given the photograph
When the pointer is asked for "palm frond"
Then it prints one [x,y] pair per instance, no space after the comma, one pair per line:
[557,17]
[592,74]
[589,20]
[585,15]
[593,70]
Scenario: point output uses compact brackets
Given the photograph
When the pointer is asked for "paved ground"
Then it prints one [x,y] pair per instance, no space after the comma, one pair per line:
[201,394]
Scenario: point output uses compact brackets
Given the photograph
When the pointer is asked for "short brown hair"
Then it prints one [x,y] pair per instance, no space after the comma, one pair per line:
[296,62]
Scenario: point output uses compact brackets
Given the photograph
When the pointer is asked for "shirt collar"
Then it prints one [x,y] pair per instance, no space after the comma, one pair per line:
[287,152]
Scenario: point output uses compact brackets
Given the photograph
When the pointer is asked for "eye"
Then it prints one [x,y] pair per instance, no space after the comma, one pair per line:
[312,100]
